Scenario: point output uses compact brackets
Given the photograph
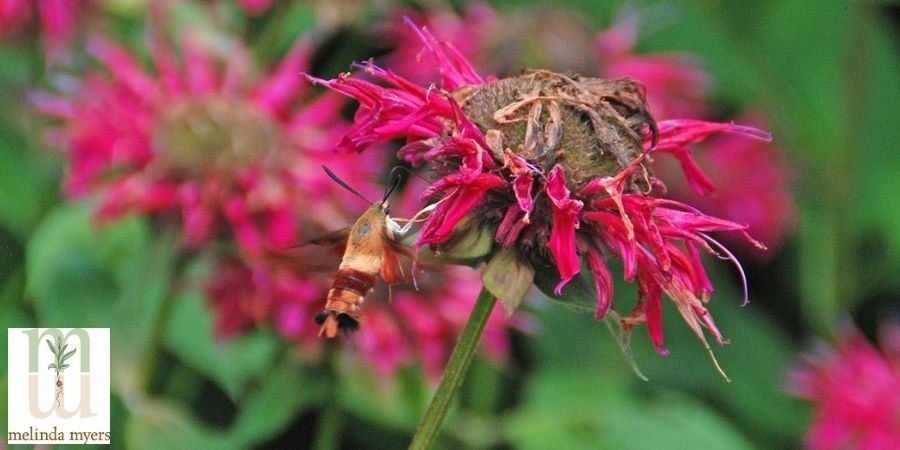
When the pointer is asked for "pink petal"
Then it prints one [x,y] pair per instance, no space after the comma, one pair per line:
[242,224]
[201,72]
[439,226]
[603,282]
[123,67]
[565,222]
[286,83]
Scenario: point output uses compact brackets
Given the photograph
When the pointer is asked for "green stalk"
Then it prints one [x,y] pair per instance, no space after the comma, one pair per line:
[329,427]
[465,350]
[328,431]
[155,340]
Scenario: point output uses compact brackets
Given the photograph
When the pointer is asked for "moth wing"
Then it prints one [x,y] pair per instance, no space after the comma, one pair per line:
[320,255]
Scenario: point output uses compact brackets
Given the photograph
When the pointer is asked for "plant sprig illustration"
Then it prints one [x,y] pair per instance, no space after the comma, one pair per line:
[60,355]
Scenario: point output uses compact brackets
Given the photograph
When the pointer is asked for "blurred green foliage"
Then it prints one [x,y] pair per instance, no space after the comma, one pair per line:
[826,73]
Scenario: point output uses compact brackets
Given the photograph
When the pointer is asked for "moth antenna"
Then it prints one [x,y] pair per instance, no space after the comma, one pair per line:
[345,185]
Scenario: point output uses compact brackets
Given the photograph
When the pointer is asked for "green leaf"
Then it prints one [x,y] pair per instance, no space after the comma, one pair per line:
[27,182]
[68,355]
[574,409]
[73,267]
[508,277]
[191,337]
[64,366]
[51,366]
[158,424]
[52,348]
[285,392]
[395,404]
[81,274]
[876,187]
[12,309]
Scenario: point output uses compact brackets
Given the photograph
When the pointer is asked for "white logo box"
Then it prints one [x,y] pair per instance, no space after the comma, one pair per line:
[71,407]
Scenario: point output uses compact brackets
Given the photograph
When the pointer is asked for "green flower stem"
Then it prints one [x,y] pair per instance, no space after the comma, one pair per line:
[155,341]
[328,431]
[329,427]
[465,350]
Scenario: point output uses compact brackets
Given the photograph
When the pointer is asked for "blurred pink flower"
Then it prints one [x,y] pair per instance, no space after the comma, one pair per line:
[556,207]
[855,390]
[58,19]
[243,296]
[196,137]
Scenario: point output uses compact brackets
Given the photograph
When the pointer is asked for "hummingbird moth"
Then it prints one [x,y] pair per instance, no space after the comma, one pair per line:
[373,249]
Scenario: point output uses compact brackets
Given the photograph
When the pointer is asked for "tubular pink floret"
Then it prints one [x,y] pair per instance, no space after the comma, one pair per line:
[565,222]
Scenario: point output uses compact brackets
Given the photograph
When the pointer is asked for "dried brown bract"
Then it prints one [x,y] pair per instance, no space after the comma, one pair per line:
[593,127]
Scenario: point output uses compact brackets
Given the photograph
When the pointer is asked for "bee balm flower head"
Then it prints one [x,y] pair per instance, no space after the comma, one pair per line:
[196,138]
[557,170]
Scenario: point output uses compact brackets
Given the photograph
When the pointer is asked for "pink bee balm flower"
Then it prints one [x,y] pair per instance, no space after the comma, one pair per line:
[558,170]
[855,390]
[196,138]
